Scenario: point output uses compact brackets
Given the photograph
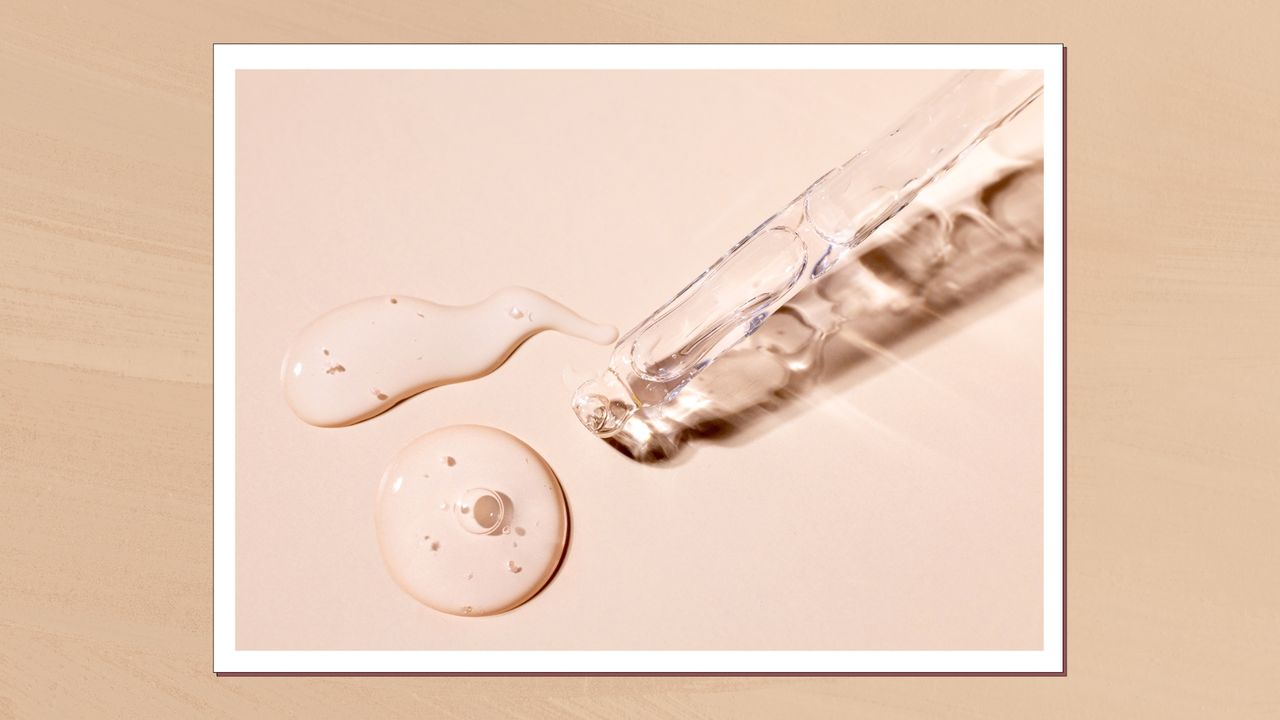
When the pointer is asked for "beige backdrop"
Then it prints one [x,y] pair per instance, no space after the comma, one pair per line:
[105,361]
[897,505]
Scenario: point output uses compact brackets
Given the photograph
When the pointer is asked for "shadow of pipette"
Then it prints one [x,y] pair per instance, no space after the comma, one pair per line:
[929,273]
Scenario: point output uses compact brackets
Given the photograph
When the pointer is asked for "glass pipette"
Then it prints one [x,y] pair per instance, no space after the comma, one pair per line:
[826,224]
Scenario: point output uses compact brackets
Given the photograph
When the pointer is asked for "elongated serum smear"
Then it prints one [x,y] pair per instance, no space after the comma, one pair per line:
[360,359]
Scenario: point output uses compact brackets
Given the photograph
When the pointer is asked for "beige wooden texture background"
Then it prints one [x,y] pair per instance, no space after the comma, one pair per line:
[105,365]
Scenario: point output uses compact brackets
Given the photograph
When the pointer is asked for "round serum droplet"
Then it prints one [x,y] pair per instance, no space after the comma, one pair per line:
[469,514]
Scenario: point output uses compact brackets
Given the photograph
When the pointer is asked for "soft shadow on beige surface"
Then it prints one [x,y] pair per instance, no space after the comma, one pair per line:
[915,287]
[105,360]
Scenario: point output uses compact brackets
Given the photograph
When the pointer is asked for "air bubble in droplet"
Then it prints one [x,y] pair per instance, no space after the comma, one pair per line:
[516,313]
[513,567]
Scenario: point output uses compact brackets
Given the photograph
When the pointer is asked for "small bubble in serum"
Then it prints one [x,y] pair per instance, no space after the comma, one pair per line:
[379,394]
[516,313]
[513,567]
[466,609]
[506,529]
[444,507]
[470,575]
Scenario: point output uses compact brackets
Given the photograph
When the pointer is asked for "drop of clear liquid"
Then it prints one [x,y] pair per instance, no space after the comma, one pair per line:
[493,485]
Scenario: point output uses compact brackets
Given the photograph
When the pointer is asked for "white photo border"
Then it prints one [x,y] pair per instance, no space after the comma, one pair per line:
[229,58]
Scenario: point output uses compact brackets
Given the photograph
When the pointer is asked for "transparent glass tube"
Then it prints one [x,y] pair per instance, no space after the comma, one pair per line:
[824,225]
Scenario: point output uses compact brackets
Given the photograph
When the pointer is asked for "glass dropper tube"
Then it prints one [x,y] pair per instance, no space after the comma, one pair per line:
[826,224]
